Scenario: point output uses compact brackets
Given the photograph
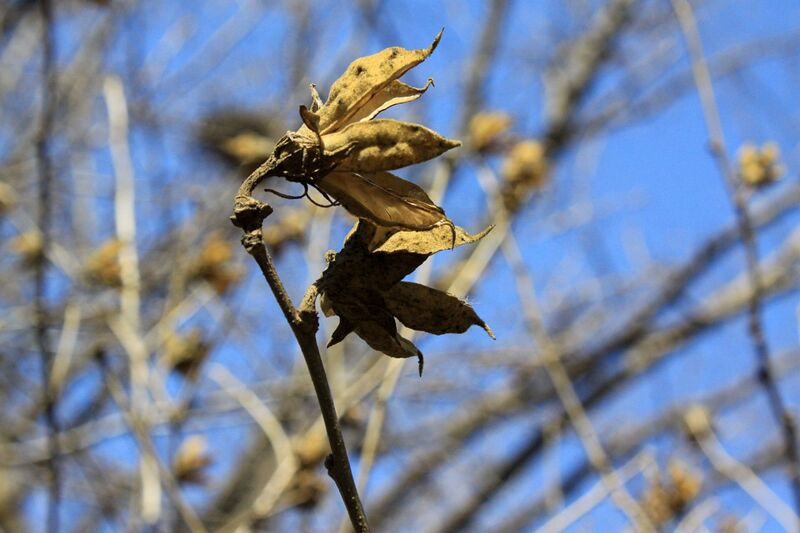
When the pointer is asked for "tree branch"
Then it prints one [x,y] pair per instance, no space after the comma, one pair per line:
[249,215]
[736,193]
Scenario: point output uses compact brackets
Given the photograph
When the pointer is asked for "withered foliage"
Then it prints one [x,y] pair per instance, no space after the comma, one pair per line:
[346,155]
[149,116]
[364,289]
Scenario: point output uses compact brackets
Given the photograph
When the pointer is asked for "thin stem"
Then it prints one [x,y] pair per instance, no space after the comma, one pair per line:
[764,371]
[249,215]
[743,476]
[45,187]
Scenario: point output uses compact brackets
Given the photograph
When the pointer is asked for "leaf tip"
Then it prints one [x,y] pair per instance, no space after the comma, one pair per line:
[310,119]
[436,40]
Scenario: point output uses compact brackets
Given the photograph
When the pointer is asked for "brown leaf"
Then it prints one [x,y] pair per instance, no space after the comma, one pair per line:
[383,199]
[310,119]
[395,93]
[386,341]
[356,265]
[436,239]
[344,329]
[426,309]
[386,144]
[366,77]
[365,313]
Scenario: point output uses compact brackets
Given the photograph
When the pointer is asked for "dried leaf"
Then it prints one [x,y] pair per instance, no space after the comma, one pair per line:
[386,342]
[426,309]
[355,264]
[366,77]
[395,93]
[436,239]
[344,329]
[325,305]
[386,144]
[310,119]
[383,199]
[365,313]
[357,271]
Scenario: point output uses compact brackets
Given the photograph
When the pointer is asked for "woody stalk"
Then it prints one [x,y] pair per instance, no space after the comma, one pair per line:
[345,155]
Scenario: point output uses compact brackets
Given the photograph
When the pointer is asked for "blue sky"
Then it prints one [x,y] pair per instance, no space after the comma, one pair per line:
[654,182]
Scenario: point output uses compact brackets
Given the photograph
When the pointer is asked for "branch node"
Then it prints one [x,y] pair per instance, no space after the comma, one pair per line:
[330,466]
[307,317]
[249,213]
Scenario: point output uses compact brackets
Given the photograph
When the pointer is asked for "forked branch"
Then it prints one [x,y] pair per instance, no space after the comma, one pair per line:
[249,214]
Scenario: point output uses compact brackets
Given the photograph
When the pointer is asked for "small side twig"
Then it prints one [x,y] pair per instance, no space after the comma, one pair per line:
[700,427]
[249,215]
[766,376]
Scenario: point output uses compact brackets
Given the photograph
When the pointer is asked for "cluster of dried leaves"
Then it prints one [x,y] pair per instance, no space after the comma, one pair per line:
[346,154]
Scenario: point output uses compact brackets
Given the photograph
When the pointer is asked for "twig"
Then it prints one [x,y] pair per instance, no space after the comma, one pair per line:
[145,443]
[594,496]
[249,215]
[125,222]
[743,476]
[482,60]
[280,442]
[391,377]
[695,518]
[45,187]
[736,193]
[569,398]
[558,375]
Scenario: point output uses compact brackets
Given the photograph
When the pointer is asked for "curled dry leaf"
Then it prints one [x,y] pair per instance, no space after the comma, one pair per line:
[364,289]
[364,78]
[395,93]
[387,145]
[382,198]
[425,309]
[345,154]
[442,237]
